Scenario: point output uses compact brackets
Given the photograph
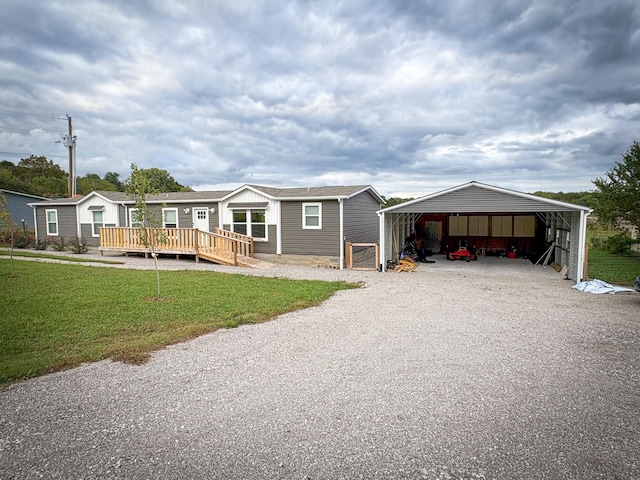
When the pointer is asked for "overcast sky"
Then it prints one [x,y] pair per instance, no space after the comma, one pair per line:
[409,96]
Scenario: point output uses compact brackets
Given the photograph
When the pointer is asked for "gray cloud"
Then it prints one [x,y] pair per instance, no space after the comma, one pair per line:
[410,96]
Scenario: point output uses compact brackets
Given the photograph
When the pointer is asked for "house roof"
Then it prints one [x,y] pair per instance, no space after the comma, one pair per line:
[480,197]
[35,197]
[122,197]
[316,193]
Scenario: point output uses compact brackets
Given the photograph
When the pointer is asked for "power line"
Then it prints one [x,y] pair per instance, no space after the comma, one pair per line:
[29,114]
[24,153]
[16,129]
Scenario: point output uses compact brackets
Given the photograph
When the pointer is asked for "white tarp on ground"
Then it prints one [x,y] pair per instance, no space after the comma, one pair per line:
[598,286]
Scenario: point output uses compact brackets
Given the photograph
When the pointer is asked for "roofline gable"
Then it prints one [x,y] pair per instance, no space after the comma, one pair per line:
[528,196]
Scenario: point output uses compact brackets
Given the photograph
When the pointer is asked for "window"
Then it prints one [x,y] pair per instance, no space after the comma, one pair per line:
[258,224]
[240,221]
[312,215]
[52,222]
[97,222]
[250,222]
[170,218]
[134,220]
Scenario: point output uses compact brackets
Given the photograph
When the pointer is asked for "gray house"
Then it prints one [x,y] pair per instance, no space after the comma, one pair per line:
[18,207]
[313,221]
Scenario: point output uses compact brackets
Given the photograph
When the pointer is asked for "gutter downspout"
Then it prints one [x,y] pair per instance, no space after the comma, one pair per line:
[381,240]
[35,221]
[278,227]
[78,225]
[342,239]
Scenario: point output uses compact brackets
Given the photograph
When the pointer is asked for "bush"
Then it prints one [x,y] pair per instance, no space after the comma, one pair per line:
[41,244]
[78,245]
[617,244]
[59,245]
[23,239]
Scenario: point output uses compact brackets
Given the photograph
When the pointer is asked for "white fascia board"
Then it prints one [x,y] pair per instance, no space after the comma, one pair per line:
[373,192]
[246,187]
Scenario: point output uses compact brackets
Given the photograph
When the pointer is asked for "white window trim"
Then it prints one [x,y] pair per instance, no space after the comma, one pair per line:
[164,225]
[131,212]
[46,219]
[249,224]
[266,226]
[304,217]
[93,223]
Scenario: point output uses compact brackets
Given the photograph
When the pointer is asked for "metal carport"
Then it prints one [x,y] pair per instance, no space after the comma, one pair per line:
[565,223]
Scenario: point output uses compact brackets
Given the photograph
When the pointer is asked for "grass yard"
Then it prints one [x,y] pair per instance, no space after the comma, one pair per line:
[56,316]
[615,269]
[17,253]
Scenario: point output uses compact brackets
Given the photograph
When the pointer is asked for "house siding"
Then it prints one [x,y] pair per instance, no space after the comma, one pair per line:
[67,221]
[18,209]
[361,222]
[270,246]
[299,241]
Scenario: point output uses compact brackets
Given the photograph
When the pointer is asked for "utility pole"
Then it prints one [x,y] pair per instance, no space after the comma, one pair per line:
[69,141]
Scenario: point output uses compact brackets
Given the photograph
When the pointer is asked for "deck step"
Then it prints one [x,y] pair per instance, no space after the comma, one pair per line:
[211,258]
[253,262]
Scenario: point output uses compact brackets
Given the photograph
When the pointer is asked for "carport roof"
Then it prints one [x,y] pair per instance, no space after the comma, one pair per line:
[475,197]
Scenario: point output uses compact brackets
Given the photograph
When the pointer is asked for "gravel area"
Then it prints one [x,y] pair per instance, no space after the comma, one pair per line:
[490,369]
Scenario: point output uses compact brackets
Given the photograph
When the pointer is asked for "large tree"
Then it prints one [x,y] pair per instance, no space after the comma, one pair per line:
[161,181]
[618,195]
[92,181]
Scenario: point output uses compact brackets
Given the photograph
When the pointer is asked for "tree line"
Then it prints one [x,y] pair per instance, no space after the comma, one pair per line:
[38,176]
[617,194]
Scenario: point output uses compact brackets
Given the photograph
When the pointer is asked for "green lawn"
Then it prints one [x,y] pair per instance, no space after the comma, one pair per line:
[56,316]
[17,253]
[616,269]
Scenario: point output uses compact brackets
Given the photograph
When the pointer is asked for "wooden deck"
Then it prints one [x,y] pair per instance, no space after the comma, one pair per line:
[224,247]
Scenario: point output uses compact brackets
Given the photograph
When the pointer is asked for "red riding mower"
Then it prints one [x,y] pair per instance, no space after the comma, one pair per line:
[463,253]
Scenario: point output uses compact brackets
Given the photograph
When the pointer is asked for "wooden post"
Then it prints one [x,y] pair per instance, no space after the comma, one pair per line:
[585,264]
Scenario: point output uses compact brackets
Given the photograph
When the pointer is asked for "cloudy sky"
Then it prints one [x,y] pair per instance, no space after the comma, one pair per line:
[408,96]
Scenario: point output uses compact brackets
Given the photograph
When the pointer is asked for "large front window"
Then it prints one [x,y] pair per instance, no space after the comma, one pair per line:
[97,222]
[258,224]
[250,222]
[52,222]
[240,221]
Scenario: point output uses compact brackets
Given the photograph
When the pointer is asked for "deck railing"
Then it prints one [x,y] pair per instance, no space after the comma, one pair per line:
[244,242]
[222,246]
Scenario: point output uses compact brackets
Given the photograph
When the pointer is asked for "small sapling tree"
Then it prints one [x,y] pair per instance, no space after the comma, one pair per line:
[147,222]
[7,227]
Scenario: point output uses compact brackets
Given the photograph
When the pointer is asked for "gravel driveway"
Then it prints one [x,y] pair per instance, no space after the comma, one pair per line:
[455,371]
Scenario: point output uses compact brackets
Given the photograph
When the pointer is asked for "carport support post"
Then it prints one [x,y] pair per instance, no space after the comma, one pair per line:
[382,242]
[342,237]
[582,241]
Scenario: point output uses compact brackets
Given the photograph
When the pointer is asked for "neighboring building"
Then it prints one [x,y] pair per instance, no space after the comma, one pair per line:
[19,210]
[492,219]
[291,221]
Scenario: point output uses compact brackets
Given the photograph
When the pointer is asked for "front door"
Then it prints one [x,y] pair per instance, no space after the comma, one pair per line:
[201,219]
